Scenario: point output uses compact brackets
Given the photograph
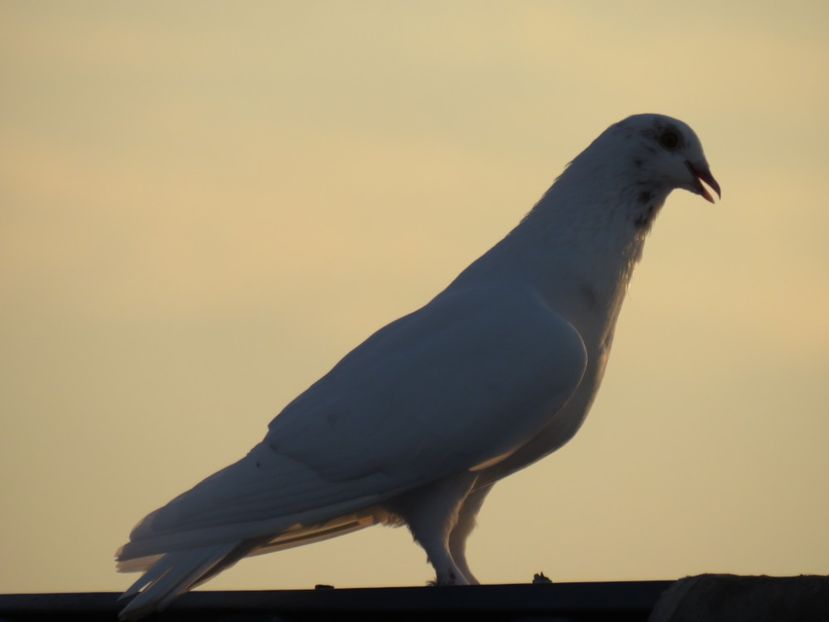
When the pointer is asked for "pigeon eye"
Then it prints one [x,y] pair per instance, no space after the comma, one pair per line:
[669,139]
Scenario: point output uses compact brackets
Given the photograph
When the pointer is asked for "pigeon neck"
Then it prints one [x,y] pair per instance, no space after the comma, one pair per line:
[583,236]
[578,246]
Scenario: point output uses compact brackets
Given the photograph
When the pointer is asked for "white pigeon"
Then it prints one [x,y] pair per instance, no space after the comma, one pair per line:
[416,423]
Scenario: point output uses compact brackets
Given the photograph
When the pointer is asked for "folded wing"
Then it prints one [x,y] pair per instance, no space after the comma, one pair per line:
[464,380]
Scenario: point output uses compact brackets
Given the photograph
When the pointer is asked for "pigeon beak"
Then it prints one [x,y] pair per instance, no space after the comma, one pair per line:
[703,173]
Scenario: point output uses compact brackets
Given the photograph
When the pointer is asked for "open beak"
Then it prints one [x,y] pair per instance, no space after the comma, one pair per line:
[703,174]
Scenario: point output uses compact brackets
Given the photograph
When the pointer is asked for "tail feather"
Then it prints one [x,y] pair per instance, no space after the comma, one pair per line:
[138,564]
[173,574]
[264,501]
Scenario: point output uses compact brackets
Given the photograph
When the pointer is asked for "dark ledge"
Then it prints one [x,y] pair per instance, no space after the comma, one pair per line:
[703,598]
[618,601]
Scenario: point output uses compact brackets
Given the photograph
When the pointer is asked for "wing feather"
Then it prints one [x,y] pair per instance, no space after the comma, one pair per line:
[465,380]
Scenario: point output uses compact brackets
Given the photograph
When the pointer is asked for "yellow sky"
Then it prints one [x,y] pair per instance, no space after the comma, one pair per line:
[203,205]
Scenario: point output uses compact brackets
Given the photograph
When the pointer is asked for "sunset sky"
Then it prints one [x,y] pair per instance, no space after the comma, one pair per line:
[204,205]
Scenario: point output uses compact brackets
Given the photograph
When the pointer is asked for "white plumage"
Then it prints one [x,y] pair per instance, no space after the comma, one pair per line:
[418,422]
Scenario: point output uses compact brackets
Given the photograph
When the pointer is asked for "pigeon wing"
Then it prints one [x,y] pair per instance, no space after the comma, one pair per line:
[469,377]
[462,381]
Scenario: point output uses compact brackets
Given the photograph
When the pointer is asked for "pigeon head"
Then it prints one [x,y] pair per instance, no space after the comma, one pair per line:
[666,154]
[628,172]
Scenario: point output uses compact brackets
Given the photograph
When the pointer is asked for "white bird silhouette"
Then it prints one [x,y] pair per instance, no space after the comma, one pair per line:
[418,421]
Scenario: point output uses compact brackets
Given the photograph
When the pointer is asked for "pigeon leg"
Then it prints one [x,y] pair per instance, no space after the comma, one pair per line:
[431,512]
[464,526]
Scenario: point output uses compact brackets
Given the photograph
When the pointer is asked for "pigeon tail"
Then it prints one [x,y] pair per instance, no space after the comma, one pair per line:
[175,573]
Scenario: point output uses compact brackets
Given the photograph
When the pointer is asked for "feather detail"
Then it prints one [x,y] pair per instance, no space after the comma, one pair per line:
[171,575]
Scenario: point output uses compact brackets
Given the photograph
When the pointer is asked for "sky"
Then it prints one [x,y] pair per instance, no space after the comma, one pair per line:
[204,205]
